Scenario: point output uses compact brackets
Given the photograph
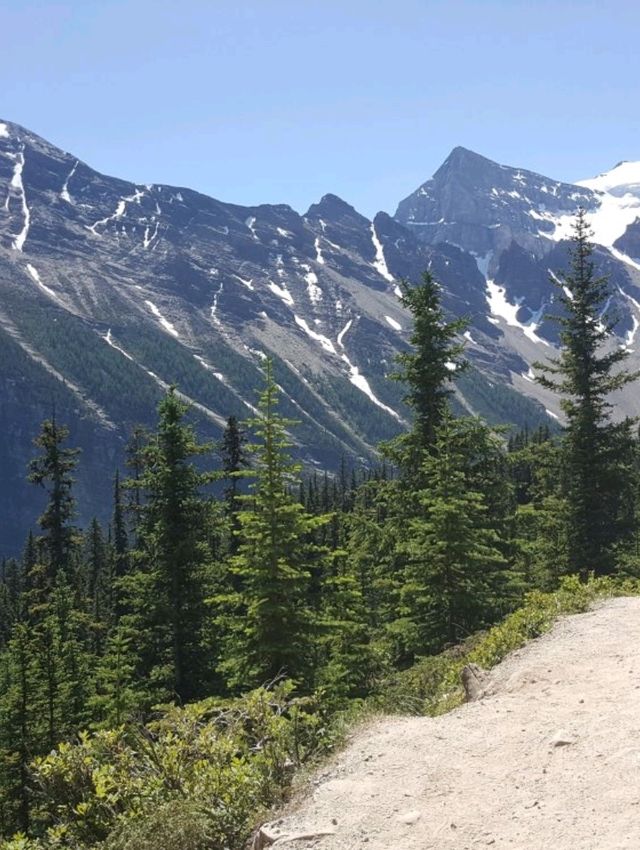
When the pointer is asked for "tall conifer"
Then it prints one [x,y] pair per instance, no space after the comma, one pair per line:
[585,374]
[53,470]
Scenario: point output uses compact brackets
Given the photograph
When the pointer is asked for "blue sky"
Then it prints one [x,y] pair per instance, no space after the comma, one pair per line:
[272,101]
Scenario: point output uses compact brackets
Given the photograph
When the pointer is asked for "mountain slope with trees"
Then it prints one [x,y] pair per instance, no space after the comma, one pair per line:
[112,291]
[176,664]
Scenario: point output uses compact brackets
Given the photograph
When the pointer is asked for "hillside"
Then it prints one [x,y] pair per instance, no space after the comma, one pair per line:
[548,758]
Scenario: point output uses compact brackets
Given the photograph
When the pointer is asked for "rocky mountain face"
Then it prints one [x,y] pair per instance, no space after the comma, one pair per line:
[111,291]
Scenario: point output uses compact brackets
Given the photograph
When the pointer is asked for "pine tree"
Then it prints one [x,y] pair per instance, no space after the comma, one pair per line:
[53,470]
[97,582]
[457,577]
[428,370]
[119,529]
[234,464]
[115,698]
[17,712]
[596,478]
[135,461]
[270,631]
[167,590]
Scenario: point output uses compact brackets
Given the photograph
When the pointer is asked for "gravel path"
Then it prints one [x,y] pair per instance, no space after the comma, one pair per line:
[550,759]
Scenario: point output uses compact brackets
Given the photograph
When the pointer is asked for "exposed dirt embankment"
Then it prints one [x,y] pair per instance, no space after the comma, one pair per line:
[549,758]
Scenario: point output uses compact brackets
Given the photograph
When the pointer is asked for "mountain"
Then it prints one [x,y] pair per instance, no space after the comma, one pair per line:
[110,291]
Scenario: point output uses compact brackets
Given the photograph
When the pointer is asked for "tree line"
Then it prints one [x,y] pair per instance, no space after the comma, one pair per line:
[206,584]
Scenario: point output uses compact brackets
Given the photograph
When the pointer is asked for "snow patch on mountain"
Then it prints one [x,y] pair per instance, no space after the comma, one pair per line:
[358,379]
[395,325]
[617,197]
[625,259]
[360,382]
[166,324]
[35,276]
[313,290]
[501,308]
[16,190]
[623,178]
[483,263]
[216,298]
[380,264]
[4,131]
[109,340]
[223,380]
[121,210]
[148,236]
[64,192]
[248,282]
[323,340]
[342,333]
[250,223]
[631,334]
[282,292]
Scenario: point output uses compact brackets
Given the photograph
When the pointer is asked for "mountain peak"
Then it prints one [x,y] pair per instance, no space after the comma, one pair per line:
[333,207]
[462,154]
[464,161]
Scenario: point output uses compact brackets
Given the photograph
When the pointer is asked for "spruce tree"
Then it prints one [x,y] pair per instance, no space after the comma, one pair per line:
[53,470]
[234,464]
[119,529]
[166,591]
[96,570]
[428,370]
[271,626]
[17,713]
[457,578]
[585,374]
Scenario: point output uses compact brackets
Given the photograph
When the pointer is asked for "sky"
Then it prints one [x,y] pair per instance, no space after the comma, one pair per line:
[276,101]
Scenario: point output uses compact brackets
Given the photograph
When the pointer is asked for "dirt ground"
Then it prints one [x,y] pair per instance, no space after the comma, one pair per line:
[549,759]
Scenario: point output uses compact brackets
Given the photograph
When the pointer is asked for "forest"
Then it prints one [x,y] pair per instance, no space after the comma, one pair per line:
[163,678]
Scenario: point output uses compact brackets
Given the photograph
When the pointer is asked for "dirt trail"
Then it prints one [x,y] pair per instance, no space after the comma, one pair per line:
[549,760]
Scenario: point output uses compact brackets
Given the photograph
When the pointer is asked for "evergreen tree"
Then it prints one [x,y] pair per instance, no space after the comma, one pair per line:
[135,461]
[167,590]
[428,370]
[53,470]
[271,629]
[234,463]
[97,582]
[17,712]
[457,577]
[596,475]
[119,529]
[115,698]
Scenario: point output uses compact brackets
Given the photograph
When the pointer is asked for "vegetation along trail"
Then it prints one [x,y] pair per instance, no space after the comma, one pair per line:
[549,757]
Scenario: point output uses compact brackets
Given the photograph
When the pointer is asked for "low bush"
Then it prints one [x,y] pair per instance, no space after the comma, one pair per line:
[432,686]
[201,776]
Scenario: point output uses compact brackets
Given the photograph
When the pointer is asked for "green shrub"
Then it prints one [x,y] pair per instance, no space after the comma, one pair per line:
[432,686]
[217,767]
[177,825]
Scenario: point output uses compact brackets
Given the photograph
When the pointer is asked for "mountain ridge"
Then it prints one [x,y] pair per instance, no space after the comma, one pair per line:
[113,290]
